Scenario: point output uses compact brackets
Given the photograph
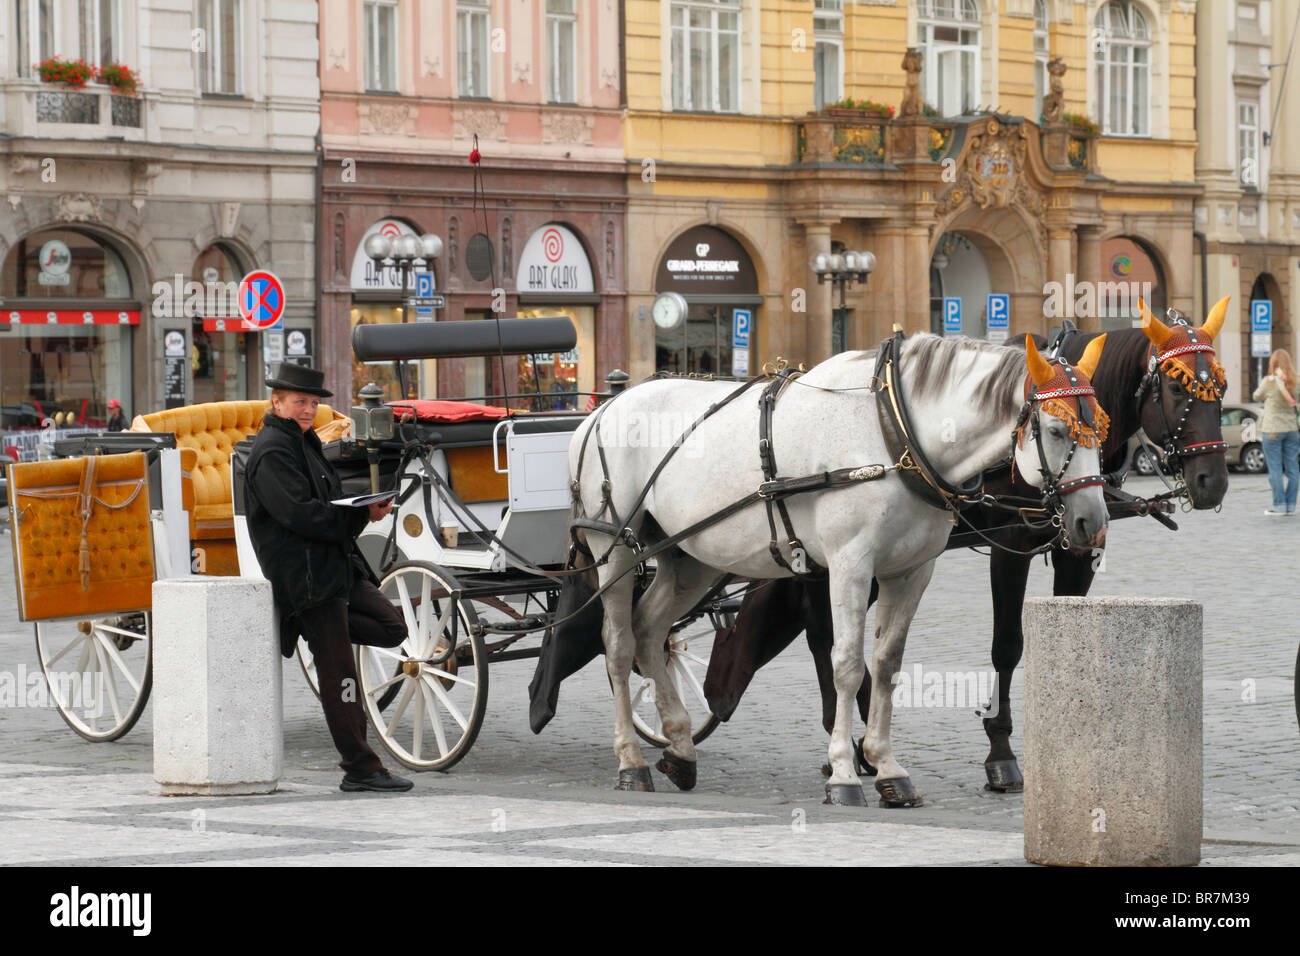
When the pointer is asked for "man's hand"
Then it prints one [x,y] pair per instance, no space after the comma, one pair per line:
[378,512]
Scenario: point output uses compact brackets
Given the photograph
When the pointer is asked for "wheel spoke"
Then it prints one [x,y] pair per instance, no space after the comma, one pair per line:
[447,703]
[696,687]
[447,675]
[412,629]
[435,719]
[77,637]
[109,628]
[398,711]
[693,659]
[425,582]
[378,690]
[110,649]
[417,735]
[107,685]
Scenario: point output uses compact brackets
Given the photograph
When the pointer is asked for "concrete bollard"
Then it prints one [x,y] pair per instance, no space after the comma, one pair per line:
[1112,731]
[217,710]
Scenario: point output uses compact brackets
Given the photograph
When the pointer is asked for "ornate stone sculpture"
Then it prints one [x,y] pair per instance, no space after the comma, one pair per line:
[912,90]
[1054,101]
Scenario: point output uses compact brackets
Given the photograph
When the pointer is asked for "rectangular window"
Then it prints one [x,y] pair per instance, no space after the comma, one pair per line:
[472,31]
[561,45]
[828,52]
[34,32]
[381,47]
[1248,144]
[221,53]
[98,28]
[706,55]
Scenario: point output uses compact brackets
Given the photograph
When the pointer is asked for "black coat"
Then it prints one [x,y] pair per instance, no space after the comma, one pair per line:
[306,545]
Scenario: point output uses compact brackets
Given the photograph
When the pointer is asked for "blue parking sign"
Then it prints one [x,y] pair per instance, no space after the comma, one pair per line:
[999,310]
[741,320]
[423,284]
[1261,315]
[952,315]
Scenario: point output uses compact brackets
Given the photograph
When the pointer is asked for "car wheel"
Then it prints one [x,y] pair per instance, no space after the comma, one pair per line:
[1142,462]
[1252,459]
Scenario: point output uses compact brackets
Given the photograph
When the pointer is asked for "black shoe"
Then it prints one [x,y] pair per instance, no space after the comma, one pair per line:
[381,781]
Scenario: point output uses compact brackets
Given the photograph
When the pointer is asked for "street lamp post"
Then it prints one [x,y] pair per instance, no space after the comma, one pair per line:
[840,269]
[404,252]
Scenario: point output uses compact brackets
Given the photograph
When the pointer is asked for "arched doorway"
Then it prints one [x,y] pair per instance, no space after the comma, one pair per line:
[65,348]
[713,272]
[1130,271]
[1264,288]
[219,357]
[959,273]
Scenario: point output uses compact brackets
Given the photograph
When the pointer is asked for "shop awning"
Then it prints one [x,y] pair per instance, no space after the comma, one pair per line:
[73,316]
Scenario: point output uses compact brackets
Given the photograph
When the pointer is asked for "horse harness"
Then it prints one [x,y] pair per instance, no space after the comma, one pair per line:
[1206,383]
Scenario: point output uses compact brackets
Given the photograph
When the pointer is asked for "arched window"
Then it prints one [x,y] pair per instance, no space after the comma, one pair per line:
[949,38]
[1041,83]
[1122,41]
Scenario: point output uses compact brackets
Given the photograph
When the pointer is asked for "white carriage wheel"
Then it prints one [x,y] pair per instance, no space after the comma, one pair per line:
[688,662]
[439,707]
[98,671]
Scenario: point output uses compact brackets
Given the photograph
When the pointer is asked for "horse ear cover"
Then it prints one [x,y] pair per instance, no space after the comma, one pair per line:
[1214,322]
[1155,330]
[1091,356]
[1039,368]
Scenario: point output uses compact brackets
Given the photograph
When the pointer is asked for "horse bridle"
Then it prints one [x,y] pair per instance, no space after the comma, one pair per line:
[1054,489]
[1151,383]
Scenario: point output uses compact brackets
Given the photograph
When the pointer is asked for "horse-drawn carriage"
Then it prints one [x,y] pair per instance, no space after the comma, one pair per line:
[467,553]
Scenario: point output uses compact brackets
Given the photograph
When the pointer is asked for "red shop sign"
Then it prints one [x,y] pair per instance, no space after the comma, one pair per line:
[73,316]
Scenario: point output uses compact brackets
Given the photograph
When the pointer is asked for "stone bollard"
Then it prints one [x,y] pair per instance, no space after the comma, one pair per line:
[217,714]
[1112,731]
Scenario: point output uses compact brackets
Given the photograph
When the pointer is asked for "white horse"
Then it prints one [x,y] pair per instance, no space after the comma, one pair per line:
[964,399]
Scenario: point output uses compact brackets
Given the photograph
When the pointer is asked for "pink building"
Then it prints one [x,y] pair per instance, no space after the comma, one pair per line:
[405,88]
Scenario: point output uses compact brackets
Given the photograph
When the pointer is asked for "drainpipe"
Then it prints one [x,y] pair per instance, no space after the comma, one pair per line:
[1205,302]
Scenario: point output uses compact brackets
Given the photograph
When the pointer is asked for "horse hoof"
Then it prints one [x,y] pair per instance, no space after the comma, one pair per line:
[898,792]
[1004,776]
[845,795]
[680,772]
[635,778]
[860,764]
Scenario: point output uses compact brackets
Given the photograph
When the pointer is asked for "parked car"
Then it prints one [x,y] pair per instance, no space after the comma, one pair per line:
[1240,422]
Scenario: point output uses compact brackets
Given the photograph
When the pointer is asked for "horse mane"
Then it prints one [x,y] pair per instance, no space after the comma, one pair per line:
[931,364]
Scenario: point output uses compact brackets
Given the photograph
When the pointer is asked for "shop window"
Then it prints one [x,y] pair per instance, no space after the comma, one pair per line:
[384,374]
[1122,41]
[706,55]
[551,375]
[948,33]
[54,373]
[218,359]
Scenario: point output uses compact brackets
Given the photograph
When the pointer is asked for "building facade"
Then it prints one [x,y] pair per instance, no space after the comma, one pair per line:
[128,221]
[1248,220]
[971,172]
[408,91]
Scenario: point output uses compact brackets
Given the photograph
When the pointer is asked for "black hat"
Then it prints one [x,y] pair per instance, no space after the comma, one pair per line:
[299,378]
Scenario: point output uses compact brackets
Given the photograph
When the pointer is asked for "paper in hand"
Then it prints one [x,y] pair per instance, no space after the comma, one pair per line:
[361,501]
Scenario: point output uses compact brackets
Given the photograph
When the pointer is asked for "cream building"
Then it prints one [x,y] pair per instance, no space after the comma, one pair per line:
[1248,161]
[207,173]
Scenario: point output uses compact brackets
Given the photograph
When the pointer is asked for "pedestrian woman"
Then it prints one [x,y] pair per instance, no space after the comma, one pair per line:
[116,420]
[1278,391]
[307,549]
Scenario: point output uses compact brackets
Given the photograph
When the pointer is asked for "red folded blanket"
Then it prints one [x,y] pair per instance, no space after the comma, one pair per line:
[434,410]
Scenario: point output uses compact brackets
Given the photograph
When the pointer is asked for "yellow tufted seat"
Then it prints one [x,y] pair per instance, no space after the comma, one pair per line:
[210,431]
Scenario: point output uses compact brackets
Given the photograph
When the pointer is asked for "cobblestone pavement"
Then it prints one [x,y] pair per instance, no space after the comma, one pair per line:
[548,798]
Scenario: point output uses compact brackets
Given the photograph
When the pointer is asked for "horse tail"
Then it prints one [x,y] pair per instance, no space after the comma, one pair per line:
[575,639]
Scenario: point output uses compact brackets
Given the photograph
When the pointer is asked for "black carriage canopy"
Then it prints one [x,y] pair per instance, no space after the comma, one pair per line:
[463,339]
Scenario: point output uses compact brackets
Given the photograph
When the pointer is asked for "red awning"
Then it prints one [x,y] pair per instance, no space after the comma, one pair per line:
[72,316]
[235,324]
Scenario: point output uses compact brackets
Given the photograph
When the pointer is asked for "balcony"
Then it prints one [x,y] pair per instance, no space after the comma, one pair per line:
[48,111]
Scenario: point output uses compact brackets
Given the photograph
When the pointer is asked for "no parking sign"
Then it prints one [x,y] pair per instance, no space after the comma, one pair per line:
[261,301]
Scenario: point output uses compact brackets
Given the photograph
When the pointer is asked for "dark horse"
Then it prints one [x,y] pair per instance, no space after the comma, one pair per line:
[1161,379]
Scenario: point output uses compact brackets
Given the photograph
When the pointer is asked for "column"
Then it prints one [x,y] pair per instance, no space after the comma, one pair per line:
[1088,269]
[915,315]
[1060,263]
[817,320]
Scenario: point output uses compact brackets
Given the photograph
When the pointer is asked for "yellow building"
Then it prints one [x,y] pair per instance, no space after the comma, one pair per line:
[741,170]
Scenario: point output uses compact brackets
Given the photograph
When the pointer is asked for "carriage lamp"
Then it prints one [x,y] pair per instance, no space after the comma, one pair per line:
[616,381]
[372,420]
[840,269]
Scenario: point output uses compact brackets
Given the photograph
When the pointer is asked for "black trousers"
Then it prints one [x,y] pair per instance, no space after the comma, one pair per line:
[330,630]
